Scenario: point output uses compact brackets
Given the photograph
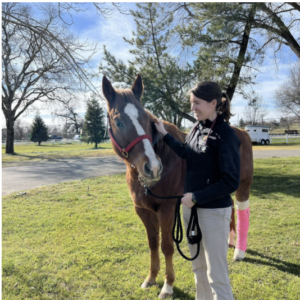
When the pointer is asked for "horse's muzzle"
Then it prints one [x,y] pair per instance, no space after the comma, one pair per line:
[152,173]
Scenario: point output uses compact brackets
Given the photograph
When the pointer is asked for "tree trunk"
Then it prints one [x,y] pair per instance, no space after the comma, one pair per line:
[242,53]
[77,128]
[39,143]
[96,145]
[179,122]
[10,136]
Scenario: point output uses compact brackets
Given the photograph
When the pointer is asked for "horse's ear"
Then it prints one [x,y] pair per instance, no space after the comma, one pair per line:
[138,87]
[108,91]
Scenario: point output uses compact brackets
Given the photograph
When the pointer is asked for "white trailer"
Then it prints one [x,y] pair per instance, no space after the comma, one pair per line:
[259,134]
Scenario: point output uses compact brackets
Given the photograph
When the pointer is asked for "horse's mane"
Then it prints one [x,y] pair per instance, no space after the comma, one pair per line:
[161,147]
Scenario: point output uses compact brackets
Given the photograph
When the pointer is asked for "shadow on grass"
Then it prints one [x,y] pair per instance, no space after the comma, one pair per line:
[178,293]
[281,265]
[275,183]
[181,294]
[31,158]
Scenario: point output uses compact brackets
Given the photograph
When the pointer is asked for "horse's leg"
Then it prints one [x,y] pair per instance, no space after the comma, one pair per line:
[166,220]
[151,223]
[243,214]
[232,233]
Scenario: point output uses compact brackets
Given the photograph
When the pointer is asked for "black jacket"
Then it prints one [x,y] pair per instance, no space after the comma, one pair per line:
[213,175]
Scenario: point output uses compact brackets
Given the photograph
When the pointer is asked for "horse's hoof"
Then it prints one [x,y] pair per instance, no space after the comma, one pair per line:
[238,255]
[147,284]
[164,296]
[166,292]
[231,246]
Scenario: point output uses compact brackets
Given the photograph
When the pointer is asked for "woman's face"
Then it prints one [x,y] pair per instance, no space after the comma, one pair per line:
[203,109]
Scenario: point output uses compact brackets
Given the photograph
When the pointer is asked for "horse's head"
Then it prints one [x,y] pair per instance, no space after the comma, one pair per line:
[130,123]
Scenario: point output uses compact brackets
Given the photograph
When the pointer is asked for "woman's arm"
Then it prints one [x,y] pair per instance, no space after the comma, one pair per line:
[229,160]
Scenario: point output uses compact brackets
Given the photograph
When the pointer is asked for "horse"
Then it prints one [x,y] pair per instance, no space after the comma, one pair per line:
[150,161]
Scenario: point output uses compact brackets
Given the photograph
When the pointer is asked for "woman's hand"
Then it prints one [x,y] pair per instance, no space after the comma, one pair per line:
[160,127]
[187,200]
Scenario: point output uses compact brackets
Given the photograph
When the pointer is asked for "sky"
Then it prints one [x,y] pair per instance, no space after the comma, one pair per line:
[110,32]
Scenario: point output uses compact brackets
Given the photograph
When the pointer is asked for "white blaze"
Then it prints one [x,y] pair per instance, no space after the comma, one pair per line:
[132,112]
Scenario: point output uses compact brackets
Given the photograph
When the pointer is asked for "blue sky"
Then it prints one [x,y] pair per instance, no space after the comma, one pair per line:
[110,32]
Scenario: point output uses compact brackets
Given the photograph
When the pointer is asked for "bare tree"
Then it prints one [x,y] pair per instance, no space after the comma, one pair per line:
[22,129]
[73,120]
[288,94]
[255,110]
[41,59]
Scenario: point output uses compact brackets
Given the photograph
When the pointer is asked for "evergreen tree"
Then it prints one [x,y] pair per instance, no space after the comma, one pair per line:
[94,128]
[223,40]
[39,130]
[232,37]
[241,123]
[166,79]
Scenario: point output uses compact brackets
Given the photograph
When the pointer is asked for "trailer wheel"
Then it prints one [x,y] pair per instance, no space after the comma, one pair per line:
[267,142]
[262,142]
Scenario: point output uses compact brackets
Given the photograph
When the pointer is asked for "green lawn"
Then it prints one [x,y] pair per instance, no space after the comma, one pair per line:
[283,146]
[62,242]
[33,152]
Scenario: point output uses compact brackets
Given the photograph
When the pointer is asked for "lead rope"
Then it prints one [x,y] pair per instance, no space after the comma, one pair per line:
[177,232]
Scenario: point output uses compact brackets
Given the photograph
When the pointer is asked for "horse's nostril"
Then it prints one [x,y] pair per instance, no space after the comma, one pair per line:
[147,170]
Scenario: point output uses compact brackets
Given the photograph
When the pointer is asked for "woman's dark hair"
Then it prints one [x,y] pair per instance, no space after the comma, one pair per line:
[208,91]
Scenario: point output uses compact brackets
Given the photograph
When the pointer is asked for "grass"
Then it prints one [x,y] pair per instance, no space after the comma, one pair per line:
[282,146]
[33,153]
[65,242]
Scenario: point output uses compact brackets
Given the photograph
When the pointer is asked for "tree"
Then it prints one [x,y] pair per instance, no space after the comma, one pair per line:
[68,112]
[39,131]
[279,24]
[255,110]
[288,94]
[41,59]
[22,129]
[3,134]
[166,79]
[285,122]
[241,123]
[236,34]
[222,40]
[94,128]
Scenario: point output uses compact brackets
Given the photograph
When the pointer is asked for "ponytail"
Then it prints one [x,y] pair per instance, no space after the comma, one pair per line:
[224,107]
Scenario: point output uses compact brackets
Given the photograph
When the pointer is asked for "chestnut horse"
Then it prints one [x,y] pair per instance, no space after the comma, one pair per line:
[152,162]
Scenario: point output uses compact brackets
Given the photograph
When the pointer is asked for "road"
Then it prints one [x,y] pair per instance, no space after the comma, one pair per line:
[26,177]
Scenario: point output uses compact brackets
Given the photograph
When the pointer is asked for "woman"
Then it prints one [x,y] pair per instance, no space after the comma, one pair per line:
[212,158]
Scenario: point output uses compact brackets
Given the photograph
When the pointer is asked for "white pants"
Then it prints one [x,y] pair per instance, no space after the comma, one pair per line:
[211,267]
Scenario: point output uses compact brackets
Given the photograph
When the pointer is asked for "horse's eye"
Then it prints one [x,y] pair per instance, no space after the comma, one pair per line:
[119,124]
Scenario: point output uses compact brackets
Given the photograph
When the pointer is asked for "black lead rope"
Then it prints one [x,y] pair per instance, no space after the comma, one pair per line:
[177,233]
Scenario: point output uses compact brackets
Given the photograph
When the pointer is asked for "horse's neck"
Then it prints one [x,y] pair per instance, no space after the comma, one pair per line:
[131,170]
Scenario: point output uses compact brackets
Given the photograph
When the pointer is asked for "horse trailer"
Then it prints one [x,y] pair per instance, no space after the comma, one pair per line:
[259,134]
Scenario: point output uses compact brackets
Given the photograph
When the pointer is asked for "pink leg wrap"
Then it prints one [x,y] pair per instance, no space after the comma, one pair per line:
[242,228]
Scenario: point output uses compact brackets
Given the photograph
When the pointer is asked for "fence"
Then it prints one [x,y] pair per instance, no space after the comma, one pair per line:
[284,138]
